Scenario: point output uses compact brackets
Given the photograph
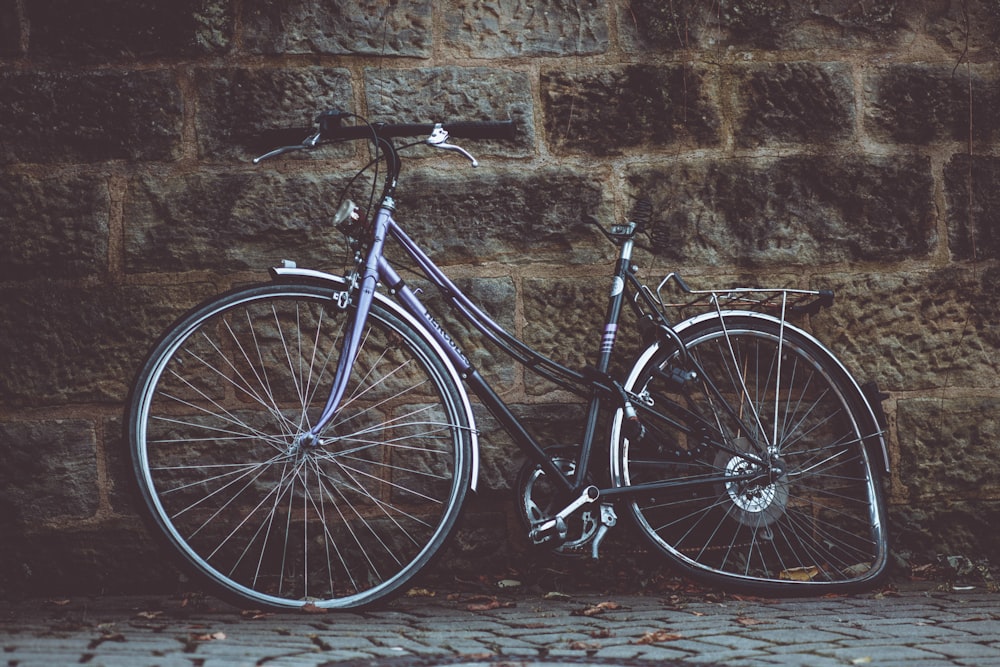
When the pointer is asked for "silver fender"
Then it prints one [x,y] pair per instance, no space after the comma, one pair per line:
[294,274]
[876,443]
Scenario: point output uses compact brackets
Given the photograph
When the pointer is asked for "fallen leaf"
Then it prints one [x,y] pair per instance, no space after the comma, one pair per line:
[255,614]
[489,606]
[60,602]
[598,608]
[747,622]
[807,573]
[584,646]
[658,637]
[553,595]
[150,615]
[214,636]
[420,593]
[603,633]
[310,608]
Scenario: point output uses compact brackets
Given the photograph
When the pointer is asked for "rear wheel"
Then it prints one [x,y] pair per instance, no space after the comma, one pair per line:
[214,427]
[775,491]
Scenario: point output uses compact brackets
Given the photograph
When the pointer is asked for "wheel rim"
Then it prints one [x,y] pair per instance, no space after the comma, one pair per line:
[814,519]
[268,515]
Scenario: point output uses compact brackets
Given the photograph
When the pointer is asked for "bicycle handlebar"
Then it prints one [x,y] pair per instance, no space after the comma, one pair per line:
[330,128]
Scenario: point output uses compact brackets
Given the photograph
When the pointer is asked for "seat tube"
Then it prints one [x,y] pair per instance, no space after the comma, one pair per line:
[352,342]
[615,299]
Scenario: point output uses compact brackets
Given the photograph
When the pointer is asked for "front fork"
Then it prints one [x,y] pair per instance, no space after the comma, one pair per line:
[365,294]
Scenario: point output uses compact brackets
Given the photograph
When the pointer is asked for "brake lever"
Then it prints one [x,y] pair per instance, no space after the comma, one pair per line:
[438,139]
[307,144]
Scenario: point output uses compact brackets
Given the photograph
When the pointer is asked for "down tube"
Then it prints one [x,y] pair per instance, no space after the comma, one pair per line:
[479,386]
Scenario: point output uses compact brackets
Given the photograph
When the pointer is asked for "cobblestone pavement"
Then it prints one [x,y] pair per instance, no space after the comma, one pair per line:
[920,628]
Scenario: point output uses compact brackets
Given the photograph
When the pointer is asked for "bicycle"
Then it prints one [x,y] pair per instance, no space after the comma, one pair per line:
[311,440]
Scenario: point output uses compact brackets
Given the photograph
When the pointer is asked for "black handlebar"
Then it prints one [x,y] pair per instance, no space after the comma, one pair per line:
[330,128]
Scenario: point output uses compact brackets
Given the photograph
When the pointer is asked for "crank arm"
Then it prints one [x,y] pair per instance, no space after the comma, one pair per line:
[540,533]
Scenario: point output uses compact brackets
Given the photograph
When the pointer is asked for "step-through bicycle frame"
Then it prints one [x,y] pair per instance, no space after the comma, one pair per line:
[593,383]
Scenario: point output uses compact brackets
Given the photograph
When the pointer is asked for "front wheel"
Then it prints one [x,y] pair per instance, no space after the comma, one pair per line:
[771,486]
[270,518]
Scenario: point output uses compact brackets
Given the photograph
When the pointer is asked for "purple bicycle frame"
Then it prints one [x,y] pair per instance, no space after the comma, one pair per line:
[377,269]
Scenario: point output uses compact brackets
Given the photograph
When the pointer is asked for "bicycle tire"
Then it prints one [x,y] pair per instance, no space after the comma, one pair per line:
[819,526]
[212,425]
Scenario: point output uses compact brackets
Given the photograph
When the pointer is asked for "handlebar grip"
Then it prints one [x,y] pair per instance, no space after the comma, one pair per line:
[330,127]
[484,129]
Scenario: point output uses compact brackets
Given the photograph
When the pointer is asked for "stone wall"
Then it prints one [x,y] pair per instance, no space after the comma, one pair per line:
[833,143]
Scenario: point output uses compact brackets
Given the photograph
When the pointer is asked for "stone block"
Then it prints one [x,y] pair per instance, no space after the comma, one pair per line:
[922,531]
[922,103]
[433,94]
[916,330]
[973,207]
[512,29]
[128,29]
[52,117]
[971,28]
[53,226]
[948,447]
[564,320]
[604,111]
[48,470]
[503,215]
[791,211]
[231,221]
[798,102]
[354,27]
[68,343]
[237,106]
[756,24]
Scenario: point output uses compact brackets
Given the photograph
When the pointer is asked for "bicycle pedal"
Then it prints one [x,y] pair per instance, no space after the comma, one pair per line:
[554,529]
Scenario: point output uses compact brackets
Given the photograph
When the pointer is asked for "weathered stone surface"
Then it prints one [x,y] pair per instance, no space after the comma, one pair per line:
[564,320]
[48,470]
[54,226]
[64,344]
[797,102]
[236,106]
[970,186]
[970,28]
[601,112]
[945,527]
[510,28]
[433,94]
[230,221]
[89,117]
[355,27]
[502,215]
[10,28]
[916,330]
[948,447]
[111,29]
[920,104]
[798,210]
[760,24]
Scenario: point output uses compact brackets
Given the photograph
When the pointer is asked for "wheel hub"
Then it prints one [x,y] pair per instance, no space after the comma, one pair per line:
[760,500]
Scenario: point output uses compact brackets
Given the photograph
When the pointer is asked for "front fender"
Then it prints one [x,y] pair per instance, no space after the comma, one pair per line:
[291,273]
